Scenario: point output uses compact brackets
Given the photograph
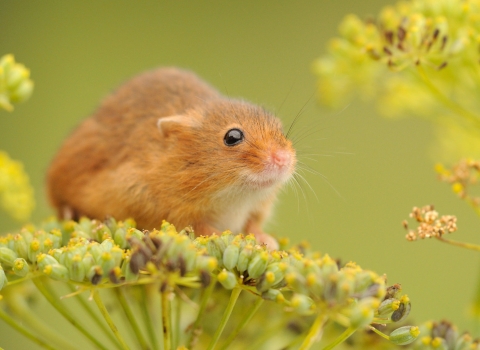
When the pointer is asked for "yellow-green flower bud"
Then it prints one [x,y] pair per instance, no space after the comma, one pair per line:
[95,274]
[57,272]
[20,267]
[106,262]
[127,272]
[403,310]
[404,335]
[439,344]
[3,278]
[20,246]
[88,261]
[77,268]
[44,259]
[230,256]
[302,304]
[387,307]
[120,237]
[15,83]
[362,313]
[274,295]
[258,264]
[7,256]
[227,279]
[244,258]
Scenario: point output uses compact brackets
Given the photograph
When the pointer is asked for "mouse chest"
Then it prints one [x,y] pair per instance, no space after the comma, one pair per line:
[235,208]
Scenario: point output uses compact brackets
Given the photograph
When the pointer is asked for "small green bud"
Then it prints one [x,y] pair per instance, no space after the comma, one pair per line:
[3,278]
[106,262]
[77,268]
[244,258]
[7,256]
[363,312]
[95,274]
[387,307]
[127,272]
[120,237]
[230,256]
[57,272]
[88,261]
[20,267]
[274,295]
[45,259]
[258,264]
[404,335]
[227,279]
[302,304]
[439,344]
[403,310]
[20,246]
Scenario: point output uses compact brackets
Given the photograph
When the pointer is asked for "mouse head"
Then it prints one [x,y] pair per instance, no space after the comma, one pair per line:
[233,142]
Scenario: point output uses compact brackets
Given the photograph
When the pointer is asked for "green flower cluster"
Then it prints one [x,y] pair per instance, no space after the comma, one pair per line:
[419,57]
[92,255]
[15,83]
[444,336]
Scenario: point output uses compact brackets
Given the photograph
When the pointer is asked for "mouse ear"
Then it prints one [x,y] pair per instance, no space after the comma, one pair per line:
[170,125]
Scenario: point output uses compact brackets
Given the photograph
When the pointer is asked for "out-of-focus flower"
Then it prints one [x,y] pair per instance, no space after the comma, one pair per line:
[419,58]
[15,83]
[16,193]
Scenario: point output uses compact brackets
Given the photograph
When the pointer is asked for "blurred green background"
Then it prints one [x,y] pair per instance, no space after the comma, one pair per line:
[262,51]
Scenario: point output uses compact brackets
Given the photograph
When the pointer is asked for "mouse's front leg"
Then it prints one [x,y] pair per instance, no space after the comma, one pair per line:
[262,237]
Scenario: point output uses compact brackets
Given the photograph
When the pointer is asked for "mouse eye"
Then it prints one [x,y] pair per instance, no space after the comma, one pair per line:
[233,137]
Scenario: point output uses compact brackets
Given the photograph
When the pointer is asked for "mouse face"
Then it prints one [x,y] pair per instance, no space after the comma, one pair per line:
[250,145]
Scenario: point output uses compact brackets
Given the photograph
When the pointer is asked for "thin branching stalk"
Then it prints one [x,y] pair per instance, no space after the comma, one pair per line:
[460,244]
[108,319]
[25,332]
[226,316]
[147,319]
[178,313]
[344,336]
[203,305]
[447,102]
[42,286]
[248,316]
[23,311]
[86,306]
[166,321]
[314,332]
[119,292]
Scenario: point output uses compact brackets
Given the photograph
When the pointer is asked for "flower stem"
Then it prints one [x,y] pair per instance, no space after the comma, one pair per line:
[314,332]
[86,306]
[344,336]
[18,305]
[226,315]
[383,335]
[453,106]
[460,244]
[166,321]
[25,332]
[42,286]
[245,320]
[178,313]
[203,305]
[108,319]
[147,319]
[131,318]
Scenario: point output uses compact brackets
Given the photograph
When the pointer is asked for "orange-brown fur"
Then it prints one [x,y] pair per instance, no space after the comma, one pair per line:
[119,163]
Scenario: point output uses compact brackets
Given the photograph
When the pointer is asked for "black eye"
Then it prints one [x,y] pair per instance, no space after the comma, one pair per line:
[233,137]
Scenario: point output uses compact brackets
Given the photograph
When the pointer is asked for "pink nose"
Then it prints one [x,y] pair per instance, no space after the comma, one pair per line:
[281,158]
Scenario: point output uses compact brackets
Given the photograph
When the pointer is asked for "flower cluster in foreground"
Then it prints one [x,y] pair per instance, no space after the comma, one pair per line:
[101,257]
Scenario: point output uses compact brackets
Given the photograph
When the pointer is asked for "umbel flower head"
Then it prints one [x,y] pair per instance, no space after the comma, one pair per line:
[15,83]
[418,57]
[16,193]
[93,256]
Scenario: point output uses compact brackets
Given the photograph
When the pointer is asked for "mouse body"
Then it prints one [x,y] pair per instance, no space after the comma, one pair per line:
[166,145]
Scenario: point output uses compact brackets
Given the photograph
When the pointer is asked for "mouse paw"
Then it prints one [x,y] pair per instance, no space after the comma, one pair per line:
[270,242]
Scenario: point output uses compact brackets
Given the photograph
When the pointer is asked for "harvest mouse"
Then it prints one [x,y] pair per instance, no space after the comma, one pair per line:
[166,145]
